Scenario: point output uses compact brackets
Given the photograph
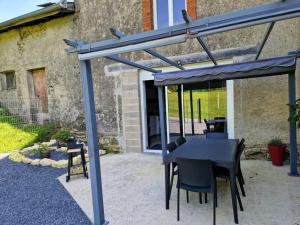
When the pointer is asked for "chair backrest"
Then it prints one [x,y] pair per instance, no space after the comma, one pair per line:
[241,148]
[214,135]
[242,141]
[72,144]
[219,127]
[171,146]
[197,173]
[180,141]
[206,124]
[220,118]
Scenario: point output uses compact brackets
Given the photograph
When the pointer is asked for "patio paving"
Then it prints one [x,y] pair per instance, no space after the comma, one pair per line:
[133,189]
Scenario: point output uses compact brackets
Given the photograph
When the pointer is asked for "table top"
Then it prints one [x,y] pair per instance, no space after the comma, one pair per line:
[221,152]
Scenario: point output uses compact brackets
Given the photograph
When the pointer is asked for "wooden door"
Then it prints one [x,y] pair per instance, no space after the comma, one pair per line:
[40,89]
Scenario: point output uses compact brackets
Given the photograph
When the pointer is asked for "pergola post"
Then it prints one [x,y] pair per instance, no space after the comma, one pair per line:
[93,144]
[292,126]
[163,140]
[180,111]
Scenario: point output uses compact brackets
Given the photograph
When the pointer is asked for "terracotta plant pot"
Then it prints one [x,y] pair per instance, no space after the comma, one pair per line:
[277,154]
[45,154]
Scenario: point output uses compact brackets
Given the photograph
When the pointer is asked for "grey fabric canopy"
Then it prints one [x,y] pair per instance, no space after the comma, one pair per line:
[258,68]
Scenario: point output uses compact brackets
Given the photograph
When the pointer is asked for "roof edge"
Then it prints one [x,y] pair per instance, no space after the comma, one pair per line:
[45,13]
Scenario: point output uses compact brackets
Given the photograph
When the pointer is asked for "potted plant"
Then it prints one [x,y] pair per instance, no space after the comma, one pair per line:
[276,151]
[44,151]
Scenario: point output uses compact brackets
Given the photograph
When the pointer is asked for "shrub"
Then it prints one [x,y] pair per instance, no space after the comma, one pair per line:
[276,142]
[62,135]
[295,116]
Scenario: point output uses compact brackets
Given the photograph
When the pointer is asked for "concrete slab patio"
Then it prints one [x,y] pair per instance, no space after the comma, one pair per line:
[133,188]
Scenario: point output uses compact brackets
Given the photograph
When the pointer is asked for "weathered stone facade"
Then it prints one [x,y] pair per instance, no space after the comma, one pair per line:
[260,104]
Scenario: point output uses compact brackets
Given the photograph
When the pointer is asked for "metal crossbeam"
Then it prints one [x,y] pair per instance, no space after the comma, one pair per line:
[119,34]
[133,64]
[257,15]
[188,19]
[266,36]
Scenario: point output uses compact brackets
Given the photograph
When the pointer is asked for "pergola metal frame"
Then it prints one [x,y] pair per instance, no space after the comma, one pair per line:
[262,14]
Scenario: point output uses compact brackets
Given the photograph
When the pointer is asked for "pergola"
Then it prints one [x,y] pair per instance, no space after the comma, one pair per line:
[262,14]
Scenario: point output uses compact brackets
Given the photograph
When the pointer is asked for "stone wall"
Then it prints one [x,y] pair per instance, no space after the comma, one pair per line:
[260,104]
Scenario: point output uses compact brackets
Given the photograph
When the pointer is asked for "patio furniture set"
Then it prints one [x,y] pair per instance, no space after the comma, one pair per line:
[198,162]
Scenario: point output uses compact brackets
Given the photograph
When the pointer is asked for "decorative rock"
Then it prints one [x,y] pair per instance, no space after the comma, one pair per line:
[63,149]
[102,152]
[46,162]
[35,162]
[60,164]
[16,157]
[77,160]
[27,160]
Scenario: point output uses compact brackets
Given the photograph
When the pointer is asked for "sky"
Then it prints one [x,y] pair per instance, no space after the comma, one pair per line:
[13,8]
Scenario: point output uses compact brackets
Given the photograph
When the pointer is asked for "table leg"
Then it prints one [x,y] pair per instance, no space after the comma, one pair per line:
[233,194]
[167,185]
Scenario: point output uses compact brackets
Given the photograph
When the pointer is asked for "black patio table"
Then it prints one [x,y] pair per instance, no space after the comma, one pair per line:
[220,152]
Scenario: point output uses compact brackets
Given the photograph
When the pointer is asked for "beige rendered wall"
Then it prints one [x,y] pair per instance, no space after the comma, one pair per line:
[42,46]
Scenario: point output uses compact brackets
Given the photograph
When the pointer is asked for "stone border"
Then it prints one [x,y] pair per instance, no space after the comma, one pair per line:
[20,156]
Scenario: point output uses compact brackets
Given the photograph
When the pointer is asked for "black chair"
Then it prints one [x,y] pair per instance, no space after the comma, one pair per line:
[224,173]
[196,176]
[239,173]
[207,126]
[219,127]
[180,141]
[216,135]
[75,149]
[219,118]
[171,147]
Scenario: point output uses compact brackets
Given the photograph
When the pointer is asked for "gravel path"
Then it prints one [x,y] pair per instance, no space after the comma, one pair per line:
[31,195]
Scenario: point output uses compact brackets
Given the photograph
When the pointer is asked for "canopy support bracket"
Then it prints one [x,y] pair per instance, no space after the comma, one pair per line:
[133,64]
[266,37]
[188,19]
[120,34]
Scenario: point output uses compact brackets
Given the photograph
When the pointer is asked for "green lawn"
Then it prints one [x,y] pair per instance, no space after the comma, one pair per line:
[15,134]
[213,103]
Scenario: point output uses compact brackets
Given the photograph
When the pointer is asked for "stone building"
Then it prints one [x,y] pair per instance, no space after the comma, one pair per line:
[34,65]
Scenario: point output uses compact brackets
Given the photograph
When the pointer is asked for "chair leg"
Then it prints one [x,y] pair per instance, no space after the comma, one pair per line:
[171,185]
[178,200]
[241,185]
[214,206]
[241,174]
[187,197]
[216,193]
[205,197]
[69,168]
[200,197]
[239,199]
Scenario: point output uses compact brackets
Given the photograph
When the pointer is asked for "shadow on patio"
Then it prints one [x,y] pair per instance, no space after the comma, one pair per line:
[133,190]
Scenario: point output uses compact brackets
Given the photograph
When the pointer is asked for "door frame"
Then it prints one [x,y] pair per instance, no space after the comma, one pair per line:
[146,76]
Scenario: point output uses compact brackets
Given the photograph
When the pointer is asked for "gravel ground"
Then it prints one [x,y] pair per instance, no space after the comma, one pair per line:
[54,155]
[31,195]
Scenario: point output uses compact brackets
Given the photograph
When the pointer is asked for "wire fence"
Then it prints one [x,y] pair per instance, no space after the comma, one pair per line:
[21,112]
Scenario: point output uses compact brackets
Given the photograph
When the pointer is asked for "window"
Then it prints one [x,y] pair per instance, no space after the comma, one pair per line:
[168,12]
[8,80]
